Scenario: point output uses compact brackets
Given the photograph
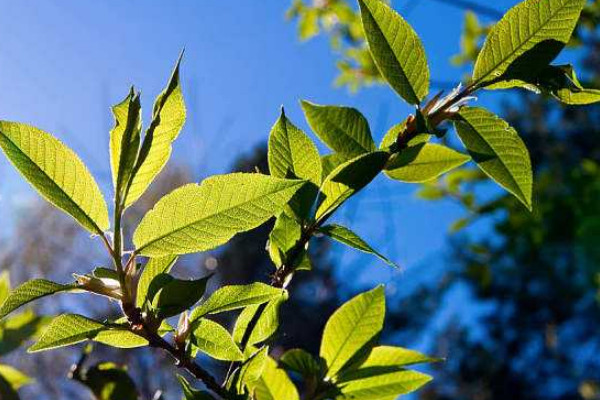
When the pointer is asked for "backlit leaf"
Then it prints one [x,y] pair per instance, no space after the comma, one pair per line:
[275,384]
[56,173]
[201,217]
[30,291]
[498,151]
[153,268]
[396,49]
[214,340]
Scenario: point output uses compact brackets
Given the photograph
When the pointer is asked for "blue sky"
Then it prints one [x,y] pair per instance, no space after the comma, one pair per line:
[64,63]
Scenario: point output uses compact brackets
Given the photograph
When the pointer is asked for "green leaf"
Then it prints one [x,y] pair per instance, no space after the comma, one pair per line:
[292,154]
[331,162]
[189,393]
[347,179]
[154,267]
[345,130]
[168,117]
[125,140]
[423,162]
[391,136]
[275,384]
[18,329]
[352,329]
[252,369]
[526,39]
[498,151]
[56,173]
[300,361]
[14,377]
[234,297]
[109,381]
[201,217]
[396,49]
[69,329]
[349,238]
[382,374]
[265,327]
[214,340]
[284,236]
[178,295]
[30,291]
[4,286]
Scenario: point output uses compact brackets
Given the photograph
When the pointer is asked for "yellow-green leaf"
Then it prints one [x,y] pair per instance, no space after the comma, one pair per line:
[30,291]
[498,150]
[352,329]
[153,268]
[201,217]
[344,129]
[168,117]
[56,173]
[214,340]
[423,162]
[275,384]
[396,49]
[526,39]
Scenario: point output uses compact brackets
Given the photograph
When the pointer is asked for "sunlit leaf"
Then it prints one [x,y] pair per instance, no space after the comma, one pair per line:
[498,151]
[201,217]
[56,173]
[275,384]
[214,340]
[30,291]
[153,268]
[352,329]
[265,326]
[396,49]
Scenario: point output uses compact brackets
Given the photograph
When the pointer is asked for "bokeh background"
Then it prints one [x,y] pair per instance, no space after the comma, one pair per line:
[508,297]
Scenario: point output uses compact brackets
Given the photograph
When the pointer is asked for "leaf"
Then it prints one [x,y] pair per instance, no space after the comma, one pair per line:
[498,151]
[352,328]
[201,217]
[56,173]
[4,286]
[125,140]
[331,162]
[349,238]
[153,268]
[168,117]
[526,39]
[15,378]
[252,369]
[275,384]
[18,329]
[189,393]
[69,329]
[109,381]
[178,295]
[396,49]
[234,297]
[300,361]
[344,129]
[423,162]
[30,291]
[559,81]
[214,340]
[291,153]
[391,136]
[283,238]
[347,179]
[265,327]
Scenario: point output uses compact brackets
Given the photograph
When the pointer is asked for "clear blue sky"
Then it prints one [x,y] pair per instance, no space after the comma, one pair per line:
[64,63]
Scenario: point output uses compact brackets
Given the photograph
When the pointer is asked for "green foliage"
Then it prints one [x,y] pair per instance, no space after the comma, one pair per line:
[396,49]
[56,173]
[498,151]
[153,268]
[70,329]
[275,384]
[30,291]
[176,295]
[423,162]
[527,38]
[265,326]
[209,214]
[211,338]
[352,328]
[345,130]
[168,117]
[108,381]
[349,238]
[234,297]
[301,362]
[189,393]
[347,179]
